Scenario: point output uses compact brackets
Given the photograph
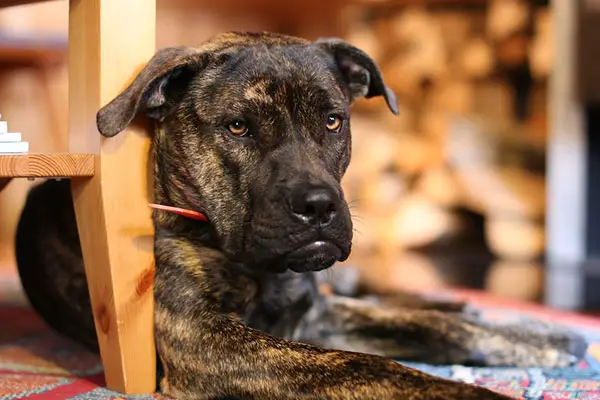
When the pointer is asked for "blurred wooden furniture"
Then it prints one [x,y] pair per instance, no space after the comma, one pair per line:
[31,52]
[109,40]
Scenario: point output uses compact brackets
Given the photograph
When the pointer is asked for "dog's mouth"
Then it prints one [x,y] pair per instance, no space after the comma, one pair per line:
[314,256]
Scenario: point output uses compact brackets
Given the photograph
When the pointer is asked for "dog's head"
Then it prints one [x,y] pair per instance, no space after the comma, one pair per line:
[253,130]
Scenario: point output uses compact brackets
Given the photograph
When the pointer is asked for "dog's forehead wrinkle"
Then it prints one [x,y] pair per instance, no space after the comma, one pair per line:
[290,63]
[258,91]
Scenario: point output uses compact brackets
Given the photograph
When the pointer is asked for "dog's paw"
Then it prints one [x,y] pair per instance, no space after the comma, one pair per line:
[569,346]
[529,345]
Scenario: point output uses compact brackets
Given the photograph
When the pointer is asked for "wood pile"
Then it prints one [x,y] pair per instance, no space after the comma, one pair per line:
[470,138]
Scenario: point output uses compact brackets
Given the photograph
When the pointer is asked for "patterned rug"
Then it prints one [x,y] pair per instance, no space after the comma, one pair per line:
[37,364]
[581,381]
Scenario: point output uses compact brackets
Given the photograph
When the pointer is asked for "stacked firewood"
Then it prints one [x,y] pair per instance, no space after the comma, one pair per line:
[468,145]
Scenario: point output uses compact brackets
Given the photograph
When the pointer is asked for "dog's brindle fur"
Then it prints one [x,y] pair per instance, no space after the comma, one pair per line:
[238,313]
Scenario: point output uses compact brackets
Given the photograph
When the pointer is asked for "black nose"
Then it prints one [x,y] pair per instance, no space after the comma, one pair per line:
[315,206]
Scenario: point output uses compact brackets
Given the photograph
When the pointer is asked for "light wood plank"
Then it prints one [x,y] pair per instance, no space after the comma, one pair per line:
[109,41]
[52,165]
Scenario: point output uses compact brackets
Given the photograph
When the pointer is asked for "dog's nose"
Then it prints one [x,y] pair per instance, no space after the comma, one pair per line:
[315,206]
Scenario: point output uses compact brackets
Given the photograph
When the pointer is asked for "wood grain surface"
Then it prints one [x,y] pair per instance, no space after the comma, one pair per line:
[52,165]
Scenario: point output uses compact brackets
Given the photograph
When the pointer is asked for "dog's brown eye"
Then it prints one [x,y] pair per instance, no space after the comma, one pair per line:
[334,123]
[238,128]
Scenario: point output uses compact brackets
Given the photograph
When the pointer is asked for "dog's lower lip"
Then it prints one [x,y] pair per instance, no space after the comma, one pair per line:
[316,245]
[314,256]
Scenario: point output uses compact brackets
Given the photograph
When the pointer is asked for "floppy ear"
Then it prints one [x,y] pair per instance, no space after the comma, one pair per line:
[147,92]
[361,74]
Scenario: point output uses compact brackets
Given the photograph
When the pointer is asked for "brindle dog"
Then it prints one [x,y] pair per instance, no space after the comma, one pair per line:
[253,130]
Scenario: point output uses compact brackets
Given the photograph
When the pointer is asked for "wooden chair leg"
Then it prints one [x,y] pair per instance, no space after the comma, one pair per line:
[109,41]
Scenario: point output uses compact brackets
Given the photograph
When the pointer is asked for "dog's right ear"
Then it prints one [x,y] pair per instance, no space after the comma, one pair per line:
[362,76]
[147,92]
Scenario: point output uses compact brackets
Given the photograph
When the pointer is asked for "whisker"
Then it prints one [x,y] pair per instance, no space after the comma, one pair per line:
[354,203]
[329,274]
[358,218]
[355,200]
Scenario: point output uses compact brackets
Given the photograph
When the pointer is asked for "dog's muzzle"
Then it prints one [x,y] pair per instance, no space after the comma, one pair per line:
[318,208]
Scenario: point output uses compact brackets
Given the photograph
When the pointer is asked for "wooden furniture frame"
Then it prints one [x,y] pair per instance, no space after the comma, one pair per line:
[109,41]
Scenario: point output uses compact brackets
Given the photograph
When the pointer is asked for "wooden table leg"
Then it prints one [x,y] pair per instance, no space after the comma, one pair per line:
[109,41]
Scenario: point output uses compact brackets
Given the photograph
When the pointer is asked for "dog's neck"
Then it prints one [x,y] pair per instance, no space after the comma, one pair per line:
[271,302]
[169,190]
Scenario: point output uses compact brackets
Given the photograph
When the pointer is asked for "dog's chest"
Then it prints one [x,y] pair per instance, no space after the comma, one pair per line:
[280,303]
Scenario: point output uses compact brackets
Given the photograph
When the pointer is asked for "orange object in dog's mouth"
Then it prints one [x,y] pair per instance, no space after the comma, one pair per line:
[181,211]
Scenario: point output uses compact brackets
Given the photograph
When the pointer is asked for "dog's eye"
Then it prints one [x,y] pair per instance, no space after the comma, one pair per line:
[238,128]
[334,123]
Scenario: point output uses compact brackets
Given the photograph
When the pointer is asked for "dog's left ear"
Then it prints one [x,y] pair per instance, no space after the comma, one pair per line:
[149,91]
[360,73]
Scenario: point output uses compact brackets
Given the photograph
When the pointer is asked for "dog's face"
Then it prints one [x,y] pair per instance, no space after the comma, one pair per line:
[254,131]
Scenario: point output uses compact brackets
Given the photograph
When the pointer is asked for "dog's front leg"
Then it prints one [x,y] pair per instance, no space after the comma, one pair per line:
[208,353]
[434,336]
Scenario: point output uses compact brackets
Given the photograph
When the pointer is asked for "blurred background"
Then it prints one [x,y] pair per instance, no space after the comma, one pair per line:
[453,193]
